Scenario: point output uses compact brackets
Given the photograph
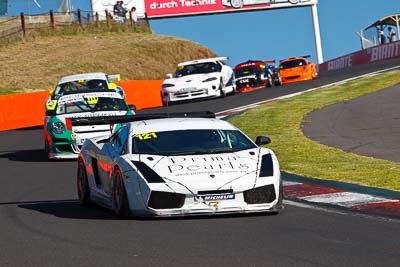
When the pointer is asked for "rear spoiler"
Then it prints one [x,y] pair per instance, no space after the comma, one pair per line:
[307,56]
[115,77]
[131,118]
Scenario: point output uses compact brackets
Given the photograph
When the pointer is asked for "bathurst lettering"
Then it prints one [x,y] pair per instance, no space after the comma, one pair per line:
[385,51]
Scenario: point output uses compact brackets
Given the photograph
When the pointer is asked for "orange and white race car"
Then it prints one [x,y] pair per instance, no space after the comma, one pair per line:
[296,69]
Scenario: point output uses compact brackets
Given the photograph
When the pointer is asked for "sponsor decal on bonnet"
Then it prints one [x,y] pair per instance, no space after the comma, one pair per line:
[207,164]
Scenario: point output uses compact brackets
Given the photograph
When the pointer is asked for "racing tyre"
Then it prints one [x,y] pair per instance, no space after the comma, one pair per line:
[46,149]
[119,198]
[270,82]
[236,3]
[221,90]
[279,81]
[82,185]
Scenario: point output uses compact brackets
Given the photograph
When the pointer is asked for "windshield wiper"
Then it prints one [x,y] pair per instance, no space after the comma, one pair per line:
[221,150]
[182,153]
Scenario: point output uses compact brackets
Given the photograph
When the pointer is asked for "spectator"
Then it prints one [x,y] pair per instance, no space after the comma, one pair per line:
[382,38]
[133,14]
[119,12]
[392,35]
[117,9]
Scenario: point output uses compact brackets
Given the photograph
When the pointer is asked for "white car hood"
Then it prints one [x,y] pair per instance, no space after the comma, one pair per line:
[207,172]
[190,80]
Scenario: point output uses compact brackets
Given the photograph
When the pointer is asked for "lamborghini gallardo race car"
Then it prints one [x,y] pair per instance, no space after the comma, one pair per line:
[255,74]
[178,164]
[83,81]
[62,141]
[202,78]
[296,69]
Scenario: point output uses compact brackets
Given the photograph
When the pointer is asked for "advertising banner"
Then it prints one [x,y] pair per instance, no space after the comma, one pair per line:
[366,56]
[177,8]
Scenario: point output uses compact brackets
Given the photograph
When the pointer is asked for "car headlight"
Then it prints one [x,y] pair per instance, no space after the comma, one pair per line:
[210,79]
[166,85]
[58,127]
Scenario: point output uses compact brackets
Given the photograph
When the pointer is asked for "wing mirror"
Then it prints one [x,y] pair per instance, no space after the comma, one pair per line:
[263,140]
[132,107]
[169,76]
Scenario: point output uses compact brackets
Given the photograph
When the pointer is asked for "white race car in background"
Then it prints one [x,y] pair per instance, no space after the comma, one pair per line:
[200,78]
[179,164]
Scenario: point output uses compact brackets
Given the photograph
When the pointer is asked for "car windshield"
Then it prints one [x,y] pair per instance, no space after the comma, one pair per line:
[198,68]
[91,104]
[190,142]
[292,64]
[249,70]
[80,85]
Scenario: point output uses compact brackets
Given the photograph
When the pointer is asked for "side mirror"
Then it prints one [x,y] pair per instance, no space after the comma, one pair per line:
[132,107]
[51,92]
[169,76]
[263,140]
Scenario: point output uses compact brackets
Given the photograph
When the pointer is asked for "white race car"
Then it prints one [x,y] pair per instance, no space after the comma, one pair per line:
[200,78]
[179,164]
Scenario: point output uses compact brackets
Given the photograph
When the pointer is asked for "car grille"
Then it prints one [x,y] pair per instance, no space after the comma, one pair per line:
[60,140]
[293,77]
[165,200]
[263,194]
[191,93]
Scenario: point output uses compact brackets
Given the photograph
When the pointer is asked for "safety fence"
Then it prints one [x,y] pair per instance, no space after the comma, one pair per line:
[20,26]
[28,109]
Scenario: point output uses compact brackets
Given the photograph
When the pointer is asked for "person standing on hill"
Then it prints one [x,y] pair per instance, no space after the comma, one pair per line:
[392,35]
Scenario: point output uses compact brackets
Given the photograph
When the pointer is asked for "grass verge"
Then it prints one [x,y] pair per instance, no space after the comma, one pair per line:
[281,120]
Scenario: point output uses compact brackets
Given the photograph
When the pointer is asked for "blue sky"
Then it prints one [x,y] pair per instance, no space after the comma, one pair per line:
[272,34]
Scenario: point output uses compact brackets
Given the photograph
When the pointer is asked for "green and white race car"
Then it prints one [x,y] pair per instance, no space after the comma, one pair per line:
[62,141]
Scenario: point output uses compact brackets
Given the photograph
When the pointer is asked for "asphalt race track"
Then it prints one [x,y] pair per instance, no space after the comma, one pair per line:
[368,125]
[42,223]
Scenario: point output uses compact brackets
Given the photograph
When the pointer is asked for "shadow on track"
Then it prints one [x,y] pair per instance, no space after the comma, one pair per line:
[71,209]
[66,209]
[33,155]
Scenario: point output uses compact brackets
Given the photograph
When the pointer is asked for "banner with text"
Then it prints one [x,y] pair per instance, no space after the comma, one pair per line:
[366,56]
[177,8]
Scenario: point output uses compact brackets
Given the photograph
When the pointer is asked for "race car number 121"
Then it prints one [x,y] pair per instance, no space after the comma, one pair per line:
[145,136]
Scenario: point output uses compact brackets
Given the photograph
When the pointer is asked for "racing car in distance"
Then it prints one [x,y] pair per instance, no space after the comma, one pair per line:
[296,69]
[83,81]
[178,164]
[61,139]
[197,79]
[255,74]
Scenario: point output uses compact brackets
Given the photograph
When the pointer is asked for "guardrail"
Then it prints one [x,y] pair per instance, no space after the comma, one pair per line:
[28,109]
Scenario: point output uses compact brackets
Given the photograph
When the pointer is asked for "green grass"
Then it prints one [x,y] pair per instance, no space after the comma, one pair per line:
[282,120]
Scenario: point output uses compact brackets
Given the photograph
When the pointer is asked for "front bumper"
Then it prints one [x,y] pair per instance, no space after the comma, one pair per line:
[209,91]
[250,201]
